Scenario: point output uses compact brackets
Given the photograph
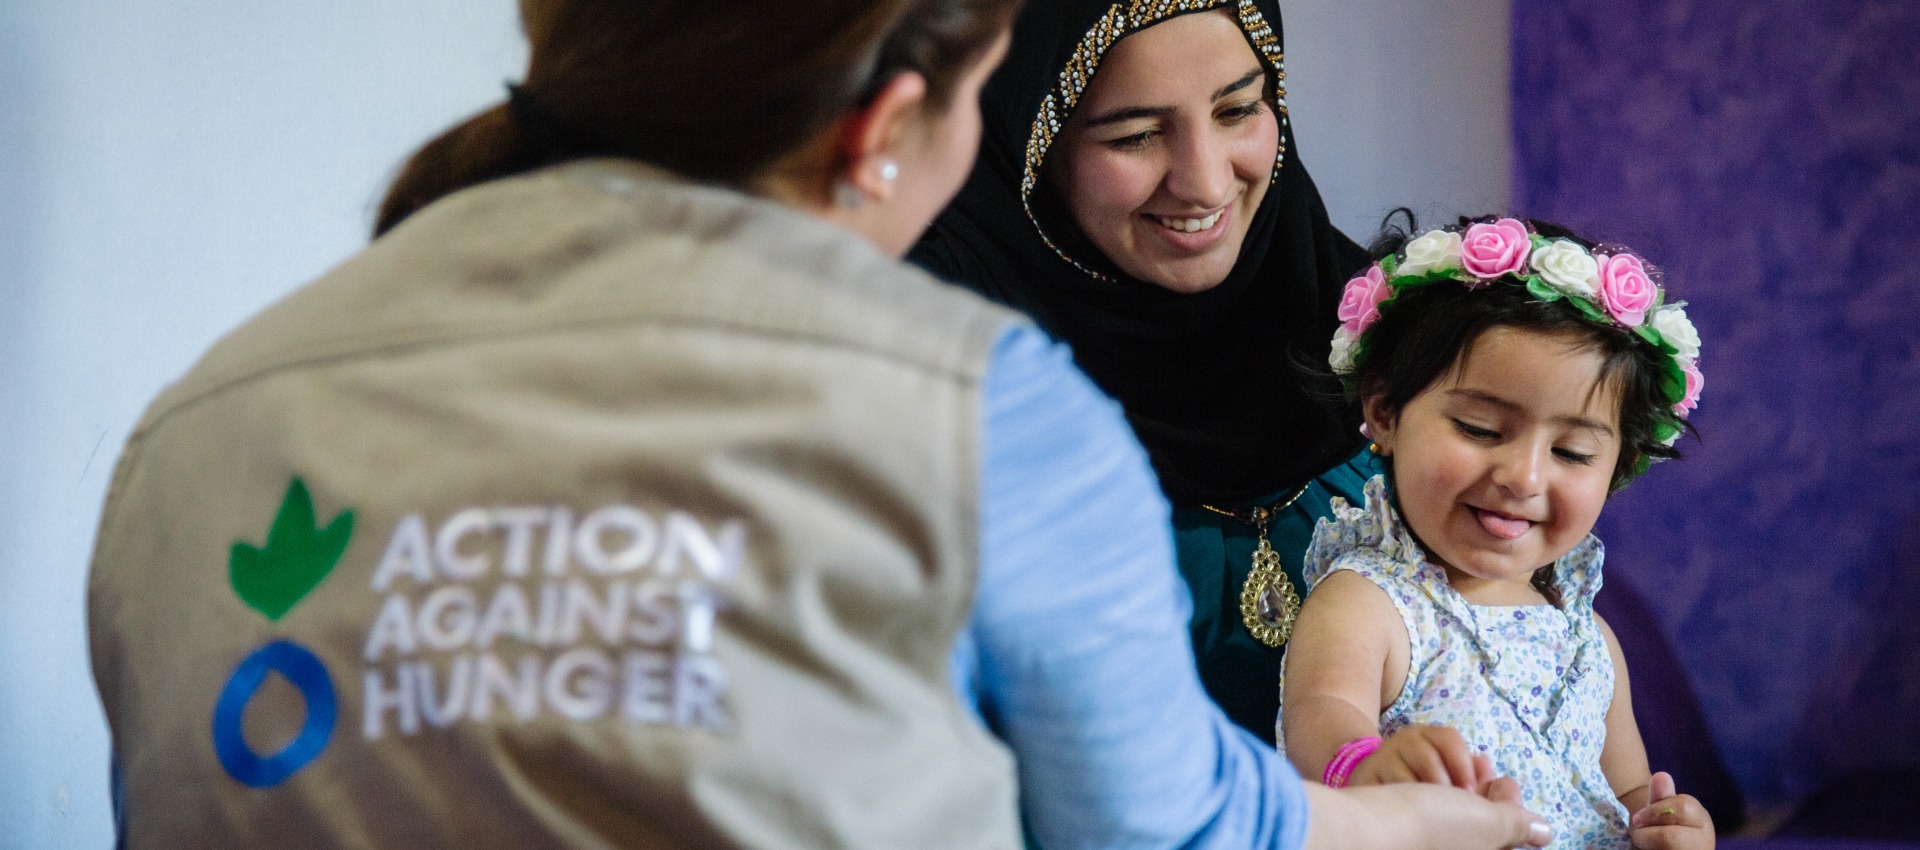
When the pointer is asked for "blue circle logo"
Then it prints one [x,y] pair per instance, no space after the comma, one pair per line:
[309,676]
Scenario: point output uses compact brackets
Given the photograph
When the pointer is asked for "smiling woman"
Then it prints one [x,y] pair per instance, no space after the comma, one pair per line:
[1139,194]
[1162,172]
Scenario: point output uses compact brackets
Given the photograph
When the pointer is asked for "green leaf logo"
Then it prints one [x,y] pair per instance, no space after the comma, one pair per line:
[298,555]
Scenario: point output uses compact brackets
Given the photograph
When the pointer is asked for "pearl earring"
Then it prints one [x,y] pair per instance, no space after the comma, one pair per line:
[846,194]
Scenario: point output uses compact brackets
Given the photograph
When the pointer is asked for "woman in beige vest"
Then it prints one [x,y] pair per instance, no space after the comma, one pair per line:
[627,491]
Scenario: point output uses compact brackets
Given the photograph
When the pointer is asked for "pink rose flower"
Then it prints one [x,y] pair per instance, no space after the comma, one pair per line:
[1360,303]
[1625,289]
[1488,251]
[1691,398]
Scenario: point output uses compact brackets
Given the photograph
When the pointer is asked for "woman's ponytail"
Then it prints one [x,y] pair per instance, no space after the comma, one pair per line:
[485,147]
[716,92]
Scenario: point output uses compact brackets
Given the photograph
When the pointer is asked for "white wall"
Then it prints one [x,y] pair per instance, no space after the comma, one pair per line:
[168,169]
[1399,103]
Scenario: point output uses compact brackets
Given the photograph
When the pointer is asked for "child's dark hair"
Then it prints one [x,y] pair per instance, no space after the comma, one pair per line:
[1424,331]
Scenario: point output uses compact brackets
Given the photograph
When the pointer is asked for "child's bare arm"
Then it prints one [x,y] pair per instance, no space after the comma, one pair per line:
[1346,661]
[1623,758]
[1661,818]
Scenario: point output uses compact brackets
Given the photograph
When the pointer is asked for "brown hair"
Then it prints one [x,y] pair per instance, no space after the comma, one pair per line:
[714,91]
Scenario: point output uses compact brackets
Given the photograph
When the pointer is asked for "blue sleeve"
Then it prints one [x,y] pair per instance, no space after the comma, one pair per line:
[1077,653]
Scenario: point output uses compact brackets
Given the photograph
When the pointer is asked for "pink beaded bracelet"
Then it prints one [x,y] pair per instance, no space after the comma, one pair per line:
[1346,759]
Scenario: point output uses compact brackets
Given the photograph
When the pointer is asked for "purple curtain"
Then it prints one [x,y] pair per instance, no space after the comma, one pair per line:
[1767,155]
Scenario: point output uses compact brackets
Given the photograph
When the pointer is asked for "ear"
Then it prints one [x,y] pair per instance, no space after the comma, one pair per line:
[1379,424]
[868,158]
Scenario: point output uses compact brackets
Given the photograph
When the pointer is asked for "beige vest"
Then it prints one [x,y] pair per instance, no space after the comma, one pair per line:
[585,509]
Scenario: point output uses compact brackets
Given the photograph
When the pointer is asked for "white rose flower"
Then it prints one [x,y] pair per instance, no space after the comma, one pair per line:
[1677,330]
[1434,250]
[1566,266]
[1341,357]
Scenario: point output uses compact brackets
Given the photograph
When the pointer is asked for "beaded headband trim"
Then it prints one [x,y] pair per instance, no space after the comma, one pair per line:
[1609,285]
[1121,20]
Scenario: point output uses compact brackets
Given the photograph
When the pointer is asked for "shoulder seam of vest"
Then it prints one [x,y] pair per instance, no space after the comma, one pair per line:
[429,341]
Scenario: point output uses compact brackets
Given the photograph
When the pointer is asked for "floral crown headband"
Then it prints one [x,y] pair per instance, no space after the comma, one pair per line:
[1608,285]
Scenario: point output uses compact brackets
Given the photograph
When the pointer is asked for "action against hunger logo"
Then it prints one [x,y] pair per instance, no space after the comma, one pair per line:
[272,579]
[530,609]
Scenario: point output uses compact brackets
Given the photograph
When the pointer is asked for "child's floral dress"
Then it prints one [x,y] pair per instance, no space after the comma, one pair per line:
[1527,685]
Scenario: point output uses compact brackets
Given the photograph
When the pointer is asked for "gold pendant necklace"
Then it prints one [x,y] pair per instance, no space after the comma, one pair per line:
[1268,601]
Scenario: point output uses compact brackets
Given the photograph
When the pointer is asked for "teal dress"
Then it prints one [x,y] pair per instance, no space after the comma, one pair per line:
[1216,555]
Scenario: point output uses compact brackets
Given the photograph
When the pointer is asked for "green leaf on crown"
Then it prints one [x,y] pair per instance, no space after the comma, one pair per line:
[1651,334]
[1539,289]
[1673,382]
[1590,310]
[1425,278]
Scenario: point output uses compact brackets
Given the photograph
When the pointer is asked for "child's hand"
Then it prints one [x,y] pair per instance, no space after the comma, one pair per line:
[1670,821]
[1419,753]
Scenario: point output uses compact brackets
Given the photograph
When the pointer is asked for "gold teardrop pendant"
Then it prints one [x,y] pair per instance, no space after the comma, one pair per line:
[1268,602]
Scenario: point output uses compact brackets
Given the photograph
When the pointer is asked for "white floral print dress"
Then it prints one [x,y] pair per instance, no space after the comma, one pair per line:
[1527,685]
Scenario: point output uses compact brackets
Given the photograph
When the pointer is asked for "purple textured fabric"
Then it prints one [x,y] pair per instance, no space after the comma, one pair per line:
[1671,722]
[1808,844]
[1768,156]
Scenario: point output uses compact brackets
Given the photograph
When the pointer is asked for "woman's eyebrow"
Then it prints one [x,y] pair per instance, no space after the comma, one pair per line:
[1239,84]
[1131,113]
[1128,114]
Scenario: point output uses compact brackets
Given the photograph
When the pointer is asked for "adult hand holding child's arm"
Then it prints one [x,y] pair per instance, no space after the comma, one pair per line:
[1421,817]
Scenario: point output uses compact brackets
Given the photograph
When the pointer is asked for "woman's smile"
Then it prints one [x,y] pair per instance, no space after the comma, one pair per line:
[1190,233]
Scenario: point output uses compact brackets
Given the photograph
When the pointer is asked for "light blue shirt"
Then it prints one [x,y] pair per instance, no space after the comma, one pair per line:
[1077,654]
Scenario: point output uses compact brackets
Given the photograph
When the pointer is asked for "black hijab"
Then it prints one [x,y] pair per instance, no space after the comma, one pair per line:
[1220,385]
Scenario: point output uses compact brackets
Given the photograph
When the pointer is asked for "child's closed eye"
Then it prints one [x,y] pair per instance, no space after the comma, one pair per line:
[1475,432]
[1571,456]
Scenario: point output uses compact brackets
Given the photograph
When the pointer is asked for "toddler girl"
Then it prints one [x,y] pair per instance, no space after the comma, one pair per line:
[1511,376]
